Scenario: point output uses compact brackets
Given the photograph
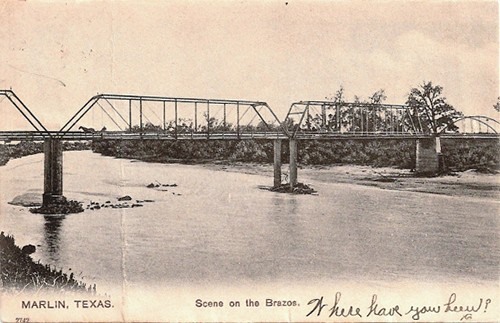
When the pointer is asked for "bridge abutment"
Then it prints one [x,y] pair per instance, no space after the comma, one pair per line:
[427,157]
[53,173]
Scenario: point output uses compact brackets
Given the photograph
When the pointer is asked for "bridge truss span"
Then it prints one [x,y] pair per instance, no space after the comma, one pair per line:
[172,118]
[328,119]
[480,125]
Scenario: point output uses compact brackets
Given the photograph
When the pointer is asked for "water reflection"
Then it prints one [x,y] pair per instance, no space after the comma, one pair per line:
[52,230]
[288,202]
[286,233]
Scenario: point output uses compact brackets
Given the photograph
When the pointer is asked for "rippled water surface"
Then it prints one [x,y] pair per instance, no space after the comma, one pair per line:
[219,227]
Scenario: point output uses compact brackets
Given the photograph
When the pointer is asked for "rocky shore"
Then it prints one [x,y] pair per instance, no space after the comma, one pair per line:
[299,188]
[63,207]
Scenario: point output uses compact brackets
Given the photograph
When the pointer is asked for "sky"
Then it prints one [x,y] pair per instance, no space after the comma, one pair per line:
[55,55]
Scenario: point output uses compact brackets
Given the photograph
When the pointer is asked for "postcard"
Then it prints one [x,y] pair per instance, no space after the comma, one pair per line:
[242,161]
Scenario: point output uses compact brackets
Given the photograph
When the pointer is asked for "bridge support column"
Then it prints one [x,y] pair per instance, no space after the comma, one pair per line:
[277,162]
[427,162]
[293,162]
[53,173]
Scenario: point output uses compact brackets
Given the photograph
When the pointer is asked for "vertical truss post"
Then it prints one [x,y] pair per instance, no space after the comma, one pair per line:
[208,119]
[361,116]
[196,116]
[175,113]
[164,115]
[140,114]
[323,116]
[386,120]
[238,118]
[397,120]
[337,117]
[224,116]
[367,121]
[352,119]
[130,115]
[391,122]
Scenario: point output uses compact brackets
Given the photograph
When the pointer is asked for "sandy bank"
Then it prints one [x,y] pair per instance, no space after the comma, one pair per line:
[469,183]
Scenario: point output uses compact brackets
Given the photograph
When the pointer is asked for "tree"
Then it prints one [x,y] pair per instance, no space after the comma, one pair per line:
[429,107]
[339,95]
[378,97]
[497,105]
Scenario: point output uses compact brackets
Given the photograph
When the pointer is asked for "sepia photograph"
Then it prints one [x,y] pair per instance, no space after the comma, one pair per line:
[249,161]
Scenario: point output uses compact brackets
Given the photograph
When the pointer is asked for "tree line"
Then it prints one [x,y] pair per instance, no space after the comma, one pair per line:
[428,111]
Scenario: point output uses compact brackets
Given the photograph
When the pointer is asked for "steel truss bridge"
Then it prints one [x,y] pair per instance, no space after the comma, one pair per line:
[136,117]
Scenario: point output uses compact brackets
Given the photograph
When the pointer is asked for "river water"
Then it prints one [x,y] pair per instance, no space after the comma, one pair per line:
[218,227]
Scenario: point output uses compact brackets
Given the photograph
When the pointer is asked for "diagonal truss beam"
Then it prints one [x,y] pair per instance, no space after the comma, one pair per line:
[25,111]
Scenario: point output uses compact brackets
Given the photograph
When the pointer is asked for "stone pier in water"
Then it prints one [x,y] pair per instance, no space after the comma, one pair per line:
[53,173]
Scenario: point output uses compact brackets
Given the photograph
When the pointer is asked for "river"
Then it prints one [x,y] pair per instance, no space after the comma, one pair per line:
[218,228]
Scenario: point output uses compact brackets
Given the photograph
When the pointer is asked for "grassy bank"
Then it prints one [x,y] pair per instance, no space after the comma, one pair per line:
[20,273]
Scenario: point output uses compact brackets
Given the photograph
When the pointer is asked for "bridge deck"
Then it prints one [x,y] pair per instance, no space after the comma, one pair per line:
[120,135]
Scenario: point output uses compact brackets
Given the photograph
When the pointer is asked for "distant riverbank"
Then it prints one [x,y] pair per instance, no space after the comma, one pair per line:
[459,155]
[27,148]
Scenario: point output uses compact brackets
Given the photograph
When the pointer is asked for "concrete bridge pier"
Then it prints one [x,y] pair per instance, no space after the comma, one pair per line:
[53,172]
[293,162]
[277,162]
[427,156]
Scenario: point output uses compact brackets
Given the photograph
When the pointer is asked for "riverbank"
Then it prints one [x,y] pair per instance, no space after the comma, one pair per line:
[471,183]
[19,271]
[27,148]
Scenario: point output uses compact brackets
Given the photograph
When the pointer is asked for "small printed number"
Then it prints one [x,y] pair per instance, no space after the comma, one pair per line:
[22,319]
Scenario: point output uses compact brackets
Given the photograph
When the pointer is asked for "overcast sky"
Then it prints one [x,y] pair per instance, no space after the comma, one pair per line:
[56,55]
